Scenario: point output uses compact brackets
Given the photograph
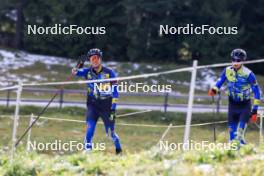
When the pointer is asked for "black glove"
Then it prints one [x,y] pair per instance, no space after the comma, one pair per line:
[81,60]
[112,115]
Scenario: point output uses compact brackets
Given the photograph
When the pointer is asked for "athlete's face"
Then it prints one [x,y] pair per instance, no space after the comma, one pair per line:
[95,61]
[236,63]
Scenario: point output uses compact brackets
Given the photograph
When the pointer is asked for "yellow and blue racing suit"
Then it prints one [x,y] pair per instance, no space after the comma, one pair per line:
[239,83]
[101,100]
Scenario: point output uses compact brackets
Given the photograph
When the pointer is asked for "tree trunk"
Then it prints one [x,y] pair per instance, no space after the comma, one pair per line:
[19,36]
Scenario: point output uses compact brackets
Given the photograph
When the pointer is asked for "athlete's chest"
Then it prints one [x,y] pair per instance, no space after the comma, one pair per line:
[236,77]
[237,80]
[101,75]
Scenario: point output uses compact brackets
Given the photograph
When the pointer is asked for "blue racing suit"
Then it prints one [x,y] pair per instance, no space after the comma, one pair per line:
[239,83]
[101,101]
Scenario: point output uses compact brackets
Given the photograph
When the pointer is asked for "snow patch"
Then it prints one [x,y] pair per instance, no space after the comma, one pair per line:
[136,66]
[207,79]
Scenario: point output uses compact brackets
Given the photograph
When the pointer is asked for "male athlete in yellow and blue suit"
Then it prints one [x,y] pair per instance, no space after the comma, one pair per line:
[101,98]
[240,82]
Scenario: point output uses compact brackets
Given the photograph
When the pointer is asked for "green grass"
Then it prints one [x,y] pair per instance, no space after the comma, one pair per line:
[140,156]
[246,161]
[133,138]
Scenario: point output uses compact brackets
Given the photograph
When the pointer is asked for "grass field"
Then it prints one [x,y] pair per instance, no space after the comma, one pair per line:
[133,138]
[247,161]
[141,155]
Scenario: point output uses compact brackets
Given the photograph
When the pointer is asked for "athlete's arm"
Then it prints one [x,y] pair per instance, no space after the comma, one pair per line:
[218,84]
[114,90]
[255,88]
[82,72]
[221,80]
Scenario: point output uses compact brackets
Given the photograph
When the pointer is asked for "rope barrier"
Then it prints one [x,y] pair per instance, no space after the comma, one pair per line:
[133,113]
[135,125]
[9,88]
[125,124]
[129,124]
[121,115]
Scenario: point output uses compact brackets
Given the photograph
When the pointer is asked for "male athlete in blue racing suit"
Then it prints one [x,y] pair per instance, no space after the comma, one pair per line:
[239,82]
[101,98]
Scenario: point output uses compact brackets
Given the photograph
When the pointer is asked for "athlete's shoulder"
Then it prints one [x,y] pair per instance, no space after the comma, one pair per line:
[108,70]
[84,69]
[88,69]
[229,68]
[246,70]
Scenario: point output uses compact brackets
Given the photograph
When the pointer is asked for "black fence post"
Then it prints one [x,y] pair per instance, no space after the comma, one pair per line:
[8,97]
[61,97]
[218,104]
[166,103]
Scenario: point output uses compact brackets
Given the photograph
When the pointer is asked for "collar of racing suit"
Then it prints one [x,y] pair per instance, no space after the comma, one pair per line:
[237,70]
[98,70]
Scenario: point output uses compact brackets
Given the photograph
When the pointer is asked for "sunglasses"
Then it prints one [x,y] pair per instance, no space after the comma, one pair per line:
[236,60]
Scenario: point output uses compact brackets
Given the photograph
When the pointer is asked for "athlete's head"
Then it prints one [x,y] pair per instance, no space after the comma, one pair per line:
[238,56]
[95,56]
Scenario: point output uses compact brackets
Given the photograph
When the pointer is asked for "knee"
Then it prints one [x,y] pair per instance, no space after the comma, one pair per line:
[90,128]
[242,124]
[232,129]
[114,136]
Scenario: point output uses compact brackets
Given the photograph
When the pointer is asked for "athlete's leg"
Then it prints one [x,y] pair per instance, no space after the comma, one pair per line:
[91,120]
[115,138]
[110,125]
[243,121]
[233,121]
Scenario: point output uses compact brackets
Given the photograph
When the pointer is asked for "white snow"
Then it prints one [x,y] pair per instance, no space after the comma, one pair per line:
[15,60]
[12,60]
[154,81]
[207,79]
[112,63]
[149,67]
[136,66]
[39,78]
